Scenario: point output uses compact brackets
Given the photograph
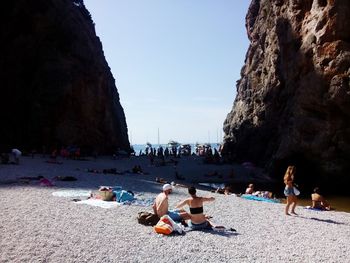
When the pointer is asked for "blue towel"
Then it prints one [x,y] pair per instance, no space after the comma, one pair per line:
[258,198]
[123,196]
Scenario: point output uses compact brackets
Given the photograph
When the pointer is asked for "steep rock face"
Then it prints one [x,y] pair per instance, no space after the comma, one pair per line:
[293,98]
[56,87]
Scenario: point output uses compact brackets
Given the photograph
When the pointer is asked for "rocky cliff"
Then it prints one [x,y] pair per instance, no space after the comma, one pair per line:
[293,98]
[56,86]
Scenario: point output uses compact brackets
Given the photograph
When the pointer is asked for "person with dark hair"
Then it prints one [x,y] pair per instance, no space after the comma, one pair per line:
[197,218]
[250,189]
[318,201]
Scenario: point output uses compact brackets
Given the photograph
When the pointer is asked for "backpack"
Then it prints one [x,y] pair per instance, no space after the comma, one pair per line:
[147,219]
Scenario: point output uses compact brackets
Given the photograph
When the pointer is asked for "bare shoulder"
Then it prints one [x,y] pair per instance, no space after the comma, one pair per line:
[187,200]
[208,198]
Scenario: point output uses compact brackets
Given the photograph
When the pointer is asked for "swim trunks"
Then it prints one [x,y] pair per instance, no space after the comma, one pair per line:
[175,215]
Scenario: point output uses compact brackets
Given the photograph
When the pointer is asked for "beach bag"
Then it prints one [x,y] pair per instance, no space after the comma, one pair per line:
[106,195]
[164,226]
[147,219]
[296,191]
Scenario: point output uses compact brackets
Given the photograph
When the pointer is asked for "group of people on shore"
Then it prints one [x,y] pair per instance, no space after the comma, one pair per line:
[197,220]
[291,192]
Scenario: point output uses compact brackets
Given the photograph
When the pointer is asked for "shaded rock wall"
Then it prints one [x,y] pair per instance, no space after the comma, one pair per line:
[56,86]
[293,98]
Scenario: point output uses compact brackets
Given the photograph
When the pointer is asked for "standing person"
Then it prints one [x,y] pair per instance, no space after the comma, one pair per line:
[161,205]
[290,191]
[290,173]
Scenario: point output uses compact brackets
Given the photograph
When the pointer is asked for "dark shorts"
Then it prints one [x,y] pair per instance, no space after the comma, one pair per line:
[204,225]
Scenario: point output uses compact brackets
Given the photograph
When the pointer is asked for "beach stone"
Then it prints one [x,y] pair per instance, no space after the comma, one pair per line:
[57,88]
[292,104]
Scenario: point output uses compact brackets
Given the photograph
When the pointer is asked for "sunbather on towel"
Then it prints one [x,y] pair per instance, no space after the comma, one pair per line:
[250,189]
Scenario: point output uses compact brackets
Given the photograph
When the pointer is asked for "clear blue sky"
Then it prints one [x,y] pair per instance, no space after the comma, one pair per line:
[176,63]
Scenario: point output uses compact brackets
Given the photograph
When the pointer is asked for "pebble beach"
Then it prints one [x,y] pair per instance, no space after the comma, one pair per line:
[38,226]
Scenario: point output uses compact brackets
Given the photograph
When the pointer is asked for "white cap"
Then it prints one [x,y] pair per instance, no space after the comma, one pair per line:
[167,187]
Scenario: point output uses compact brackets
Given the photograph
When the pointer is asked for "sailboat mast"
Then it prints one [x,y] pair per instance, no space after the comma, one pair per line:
[158,137]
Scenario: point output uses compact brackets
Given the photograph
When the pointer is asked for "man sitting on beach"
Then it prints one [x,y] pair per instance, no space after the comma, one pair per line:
[161,205]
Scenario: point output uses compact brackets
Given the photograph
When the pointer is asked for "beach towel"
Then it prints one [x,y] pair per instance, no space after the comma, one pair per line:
[99,203]
[225,232]
[213,185]
[123,196]
[314,209]
[110,204]
[258,198]
[72,193]
[140,202]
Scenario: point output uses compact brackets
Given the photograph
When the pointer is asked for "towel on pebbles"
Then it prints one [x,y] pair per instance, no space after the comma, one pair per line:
[99,203]
[72,193]
[111,204]
[140,202]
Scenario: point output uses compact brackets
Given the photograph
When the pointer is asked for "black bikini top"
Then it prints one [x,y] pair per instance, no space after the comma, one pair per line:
[196,210]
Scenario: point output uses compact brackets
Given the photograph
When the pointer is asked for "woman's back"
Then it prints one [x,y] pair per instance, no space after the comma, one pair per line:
[196,209]
[195,204]
[195,201]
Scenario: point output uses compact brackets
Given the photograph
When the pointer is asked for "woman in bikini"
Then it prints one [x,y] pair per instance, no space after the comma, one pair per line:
[197,219]
[290,191]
